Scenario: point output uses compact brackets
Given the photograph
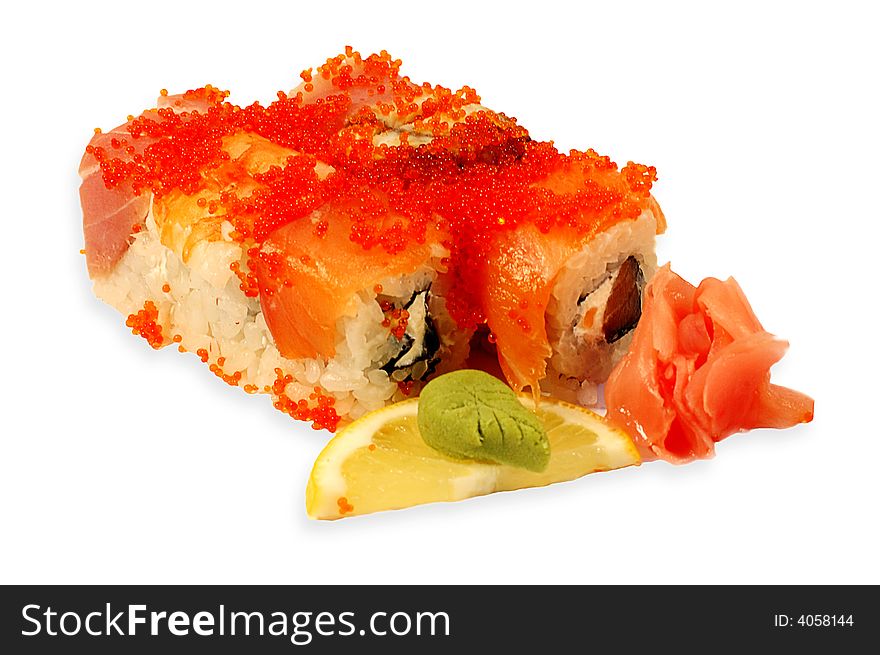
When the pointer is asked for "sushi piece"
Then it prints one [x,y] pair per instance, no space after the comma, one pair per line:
[562,297]
[229,233]
[698,371]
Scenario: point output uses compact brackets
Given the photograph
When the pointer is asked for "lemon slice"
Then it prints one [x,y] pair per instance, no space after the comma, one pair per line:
[380,461]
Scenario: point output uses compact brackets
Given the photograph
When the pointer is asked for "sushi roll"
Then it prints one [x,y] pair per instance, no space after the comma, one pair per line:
[219,230]
[340,246]
[561,289]
[560,327]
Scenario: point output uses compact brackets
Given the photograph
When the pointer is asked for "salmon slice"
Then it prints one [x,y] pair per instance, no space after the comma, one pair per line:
[309,270]
[698,370]
[520,270]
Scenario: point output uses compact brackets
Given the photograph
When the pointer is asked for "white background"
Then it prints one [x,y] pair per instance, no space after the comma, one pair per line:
[120,464]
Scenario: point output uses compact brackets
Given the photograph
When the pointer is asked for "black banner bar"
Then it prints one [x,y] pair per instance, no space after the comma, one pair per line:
[113,619]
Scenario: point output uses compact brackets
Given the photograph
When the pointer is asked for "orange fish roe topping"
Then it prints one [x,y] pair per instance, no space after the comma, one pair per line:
[144,324]
[166,288]
[397,321]
[230,379]
[318,408]
[249,283]
[202,354]
[344,506]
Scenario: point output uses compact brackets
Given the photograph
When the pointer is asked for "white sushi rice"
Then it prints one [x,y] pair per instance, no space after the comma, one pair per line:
[206,307]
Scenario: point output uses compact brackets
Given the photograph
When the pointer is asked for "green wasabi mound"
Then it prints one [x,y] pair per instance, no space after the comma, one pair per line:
[471,414]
